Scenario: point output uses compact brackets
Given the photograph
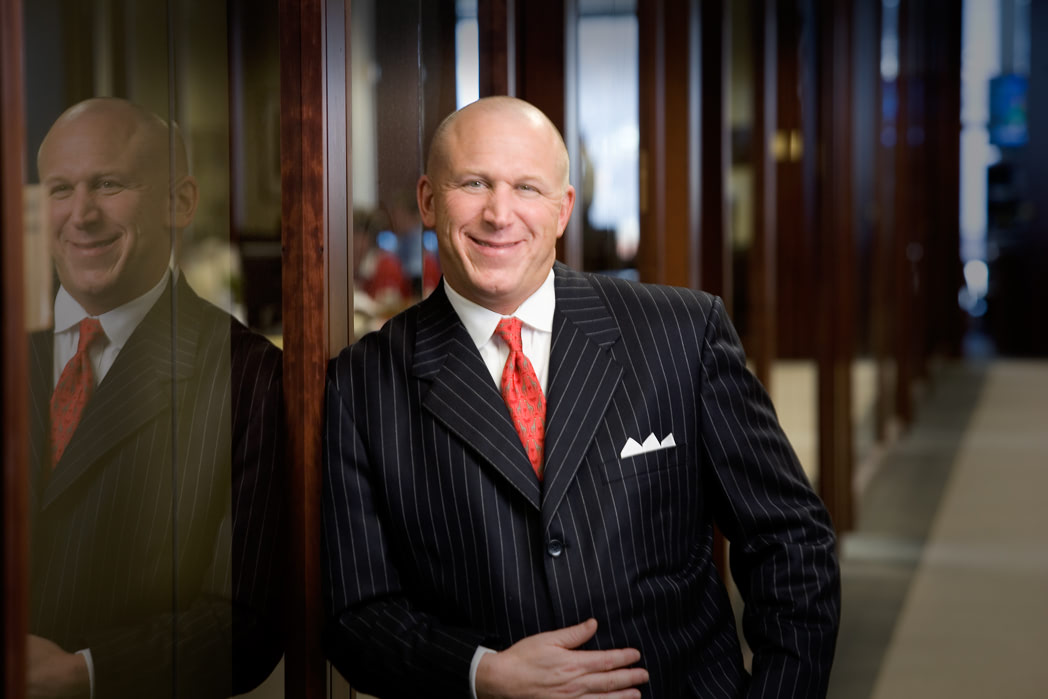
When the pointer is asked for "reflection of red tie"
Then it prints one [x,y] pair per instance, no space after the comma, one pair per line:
[523,394]
[73,390]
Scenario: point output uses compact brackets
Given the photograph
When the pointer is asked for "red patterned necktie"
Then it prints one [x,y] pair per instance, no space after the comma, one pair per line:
[523,394]
[74,389]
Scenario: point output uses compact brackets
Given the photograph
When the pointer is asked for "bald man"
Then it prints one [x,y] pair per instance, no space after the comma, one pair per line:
[157,436]
[523,472]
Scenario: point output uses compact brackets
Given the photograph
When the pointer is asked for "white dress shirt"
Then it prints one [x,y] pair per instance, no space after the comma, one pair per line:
[536,336]
[117,324]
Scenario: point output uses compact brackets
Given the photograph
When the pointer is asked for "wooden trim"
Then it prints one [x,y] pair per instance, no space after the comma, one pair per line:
[762,281]
[905,180]
[14,486]
[303,230]
[651,251]
[669,71]
[715,263]
[835,286]
[496,25]
[569,247]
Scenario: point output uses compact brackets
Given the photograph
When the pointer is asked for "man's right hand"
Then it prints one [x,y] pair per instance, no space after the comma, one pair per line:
[547,665]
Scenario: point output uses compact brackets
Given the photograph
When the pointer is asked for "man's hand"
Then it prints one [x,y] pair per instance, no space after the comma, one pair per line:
[54,672]
[547,665]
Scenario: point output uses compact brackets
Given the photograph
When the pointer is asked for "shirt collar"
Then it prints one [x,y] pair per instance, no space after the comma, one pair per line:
[536,312]
[117,323]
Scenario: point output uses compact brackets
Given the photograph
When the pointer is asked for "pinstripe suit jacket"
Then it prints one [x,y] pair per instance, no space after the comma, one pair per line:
[153,540]
[439,538]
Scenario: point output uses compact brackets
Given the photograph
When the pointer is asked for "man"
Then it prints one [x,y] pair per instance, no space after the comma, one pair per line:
[156,440]
[582,557]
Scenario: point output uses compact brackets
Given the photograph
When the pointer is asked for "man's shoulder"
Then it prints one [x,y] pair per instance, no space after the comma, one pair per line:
[625,294]
[247,347]
[391,344]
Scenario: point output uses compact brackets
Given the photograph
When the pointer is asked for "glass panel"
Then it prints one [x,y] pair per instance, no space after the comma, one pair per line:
[155,500]
[608,86]
[402,86]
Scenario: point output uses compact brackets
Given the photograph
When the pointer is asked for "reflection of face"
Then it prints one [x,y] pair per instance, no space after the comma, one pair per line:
[498,201]
[107,188]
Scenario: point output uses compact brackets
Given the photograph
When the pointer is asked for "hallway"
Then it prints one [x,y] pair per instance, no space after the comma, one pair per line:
[946,574]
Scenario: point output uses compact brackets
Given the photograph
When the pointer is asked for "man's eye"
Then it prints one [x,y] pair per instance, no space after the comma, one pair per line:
[474,184]
[60,191]
[109,185]
[527,188]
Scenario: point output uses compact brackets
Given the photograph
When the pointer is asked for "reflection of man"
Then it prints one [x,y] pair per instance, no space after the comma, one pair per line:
[157,423]
[585,557]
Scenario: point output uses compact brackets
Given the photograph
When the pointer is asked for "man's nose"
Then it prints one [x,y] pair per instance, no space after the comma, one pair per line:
[85,210]
[498,211]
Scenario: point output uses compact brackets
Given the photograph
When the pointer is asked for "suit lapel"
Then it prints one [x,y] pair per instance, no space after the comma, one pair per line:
[583,378]
[136,389]
[463,397]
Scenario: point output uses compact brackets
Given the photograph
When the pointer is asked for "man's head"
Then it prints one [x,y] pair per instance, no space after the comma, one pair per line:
[118,194]
[496,192]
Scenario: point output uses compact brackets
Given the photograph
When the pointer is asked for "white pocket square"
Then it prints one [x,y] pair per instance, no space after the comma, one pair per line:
[652,443]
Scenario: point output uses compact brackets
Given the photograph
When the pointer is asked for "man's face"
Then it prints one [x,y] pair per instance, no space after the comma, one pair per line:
[108,209]
[498,202]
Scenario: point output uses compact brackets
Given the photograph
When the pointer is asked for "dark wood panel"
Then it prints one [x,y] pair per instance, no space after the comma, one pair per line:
[834,292]
[14,485]
[669,72]
[303,224]
[715,151]
[496,27]
[762,268]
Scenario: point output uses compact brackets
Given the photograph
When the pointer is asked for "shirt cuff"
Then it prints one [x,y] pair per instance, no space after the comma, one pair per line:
[86,652]
[481,652]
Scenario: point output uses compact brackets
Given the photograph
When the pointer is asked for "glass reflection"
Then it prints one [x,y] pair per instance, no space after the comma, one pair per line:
[403,84]
[156,417]
[608,87]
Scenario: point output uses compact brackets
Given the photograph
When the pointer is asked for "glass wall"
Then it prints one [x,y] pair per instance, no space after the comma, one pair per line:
[609,135]
[152,260]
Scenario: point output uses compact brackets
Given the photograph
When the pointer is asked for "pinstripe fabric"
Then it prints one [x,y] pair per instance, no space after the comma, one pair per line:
[438,537]
[154,542]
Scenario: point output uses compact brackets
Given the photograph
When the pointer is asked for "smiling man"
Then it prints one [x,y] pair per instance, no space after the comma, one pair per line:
[523,472]
[155,506]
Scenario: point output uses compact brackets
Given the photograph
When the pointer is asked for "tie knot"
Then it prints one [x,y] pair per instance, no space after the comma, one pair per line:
[509,330]
[90,331]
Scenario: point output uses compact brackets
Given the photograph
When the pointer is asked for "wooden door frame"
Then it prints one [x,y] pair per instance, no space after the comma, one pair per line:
[14,554]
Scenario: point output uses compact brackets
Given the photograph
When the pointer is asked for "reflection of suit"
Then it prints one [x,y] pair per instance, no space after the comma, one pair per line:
[154,538]
[439,537]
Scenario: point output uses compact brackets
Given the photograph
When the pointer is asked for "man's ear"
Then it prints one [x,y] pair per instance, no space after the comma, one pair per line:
[426,203]
[567,204]
[184,198]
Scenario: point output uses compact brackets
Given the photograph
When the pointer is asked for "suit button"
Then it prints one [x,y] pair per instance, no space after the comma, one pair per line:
[554,547]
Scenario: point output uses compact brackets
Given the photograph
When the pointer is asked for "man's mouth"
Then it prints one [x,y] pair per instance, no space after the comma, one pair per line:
[94,245]
[493,245]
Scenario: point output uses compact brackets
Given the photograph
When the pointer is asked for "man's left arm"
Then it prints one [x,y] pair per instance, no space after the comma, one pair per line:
[783,546]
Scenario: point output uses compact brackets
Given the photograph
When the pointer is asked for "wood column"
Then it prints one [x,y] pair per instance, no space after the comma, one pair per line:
[314,197]
[835,285]
[669,73]
[762,283]
[714,145]
[14,551]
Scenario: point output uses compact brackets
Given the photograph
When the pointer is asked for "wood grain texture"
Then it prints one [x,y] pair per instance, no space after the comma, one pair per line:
[303,223]
[14,485]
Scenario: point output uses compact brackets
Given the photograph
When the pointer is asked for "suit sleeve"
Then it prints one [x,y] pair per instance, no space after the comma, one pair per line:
[223,634]
[377,634]
[783,556]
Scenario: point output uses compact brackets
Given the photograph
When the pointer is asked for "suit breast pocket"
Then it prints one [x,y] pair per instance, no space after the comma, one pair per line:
[645,465]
